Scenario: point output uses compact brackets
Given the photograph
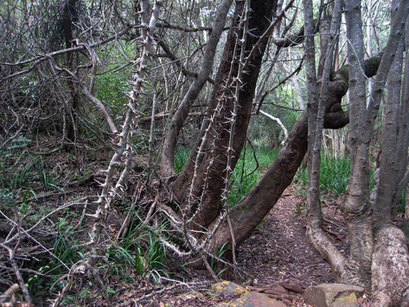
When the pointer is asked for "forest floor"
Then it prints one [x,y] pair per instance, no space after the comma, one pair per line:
[276,260]
[279,254]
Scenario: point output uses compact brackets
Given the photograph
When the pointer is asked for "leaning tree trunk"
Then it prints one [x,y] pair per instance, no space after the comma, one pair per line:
[201,201]
[250,211]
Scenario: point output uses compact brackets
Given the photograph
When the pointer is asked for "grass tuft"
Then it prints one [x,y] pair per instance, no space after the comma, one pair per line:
[334,175]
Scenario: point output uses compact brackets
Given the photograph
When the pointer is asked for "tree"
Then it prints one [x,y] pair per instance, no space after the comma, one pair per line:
[198,208]
[378,256]
[206,175]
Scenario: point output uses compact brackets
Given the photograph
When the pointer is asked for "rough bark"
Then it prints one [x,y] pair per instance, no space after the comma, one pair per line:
[403,134]
[208,163]
[390,260]
[169,144]
[250,211]
[316,109]
[390,264]
[356,207]
[280,174]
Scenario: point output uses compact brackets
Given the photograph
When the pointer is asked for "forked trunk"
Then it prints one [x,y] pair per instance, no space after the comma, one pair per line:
[199,186]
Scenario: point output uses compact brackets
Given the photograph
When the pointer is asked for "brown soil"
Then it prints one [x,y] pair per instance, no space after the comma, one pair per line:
[279,253]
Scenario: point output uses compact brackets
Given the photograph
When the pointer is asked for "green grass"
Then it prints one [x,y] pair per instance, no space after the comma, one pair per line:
[140,251]
[246,174]
[334,175]
[182,153]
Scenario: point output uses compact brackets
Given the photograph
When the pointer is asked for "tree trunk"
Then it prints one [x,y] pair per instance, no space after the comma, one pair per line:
[200,200]
[169,144]
[250,211]
[390,260]
[68,13]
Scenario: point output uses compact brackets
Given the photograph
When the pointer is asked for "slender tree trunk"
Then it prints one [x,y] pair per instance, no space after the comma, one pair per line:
[356,208]
[168,149]
[69,8]
[316,111]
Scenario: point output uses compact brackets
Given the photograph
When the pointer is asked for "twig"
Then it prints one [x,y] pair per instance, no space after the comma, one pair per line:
[233,240]
[31,237]
[41,220]
[157,292]
[17,273]
[148,216]
[8,293]
[254,156]
[125,224]
[206,263]
[333,233]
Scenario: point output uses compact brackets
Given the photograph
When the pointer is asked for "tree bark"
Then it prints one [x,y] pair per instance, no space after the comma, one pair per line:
[208,163]
[169,144]
[69,8]
[356,207]
[390,260]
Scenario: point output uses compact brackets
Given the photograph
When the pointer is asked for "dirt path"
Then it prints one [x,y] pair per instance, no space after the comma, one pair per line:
[278,252]
[279,249]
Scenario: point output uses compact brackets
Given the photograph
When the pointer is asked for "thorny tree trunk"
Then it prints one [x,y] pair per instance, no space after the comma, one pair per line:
[182,112]
[209,162]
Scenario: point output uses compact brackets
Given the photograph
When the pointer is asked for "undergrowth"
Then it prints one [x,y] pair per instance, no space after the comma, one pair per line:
[333,177]
[247,173]
[33,186]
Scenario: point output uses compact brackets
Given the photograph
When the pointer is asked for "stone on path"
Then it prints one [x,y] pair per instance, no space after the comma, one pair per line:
[239,296]
[333,295]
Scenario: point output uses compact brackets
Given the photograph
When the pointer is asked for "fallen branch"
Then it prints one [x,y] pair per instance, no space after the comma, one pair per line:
[17,273]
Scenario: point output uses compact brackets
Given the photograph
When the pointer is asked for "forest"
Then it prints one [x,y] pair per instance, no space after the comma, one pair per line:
[156,151]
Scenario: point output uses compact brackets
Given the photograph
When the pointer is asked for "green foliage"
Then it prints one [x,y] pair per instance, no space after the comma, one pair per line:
[140,251]
[66,249]
[246,174]
[219,254]
[298,209]
[111,89]
[402,202]
[334,175]
[44,174]
[264,131]
[20,166]
[181,155]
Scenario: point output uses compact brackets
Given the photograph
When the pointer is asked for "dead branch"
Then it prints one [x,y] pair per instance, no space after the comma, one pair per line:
[8,293]
[17,273]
